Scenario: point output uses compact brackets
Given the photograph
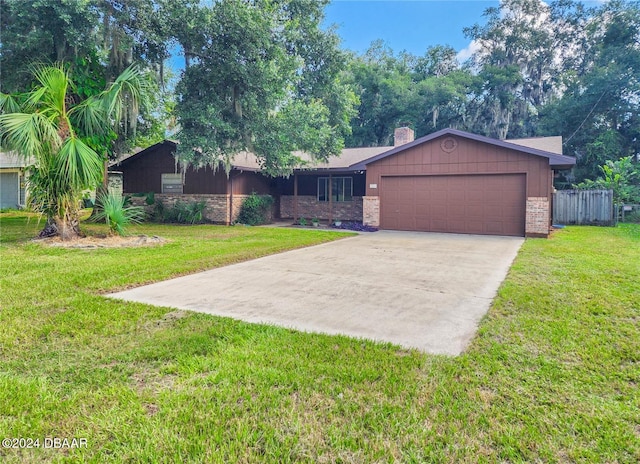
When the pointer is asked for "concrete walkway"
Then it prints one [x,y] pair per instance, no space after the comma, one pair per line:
[418,290]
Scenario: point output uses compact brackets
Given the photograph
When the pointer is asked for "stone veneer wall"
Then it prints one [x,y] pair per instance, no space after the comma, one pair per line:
[371,211]
[309,207]
[217,206]
[537,217]
[239,199]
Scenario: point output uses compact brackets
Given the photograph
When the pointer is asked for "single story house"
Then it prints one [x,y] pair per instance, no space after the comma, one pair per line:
[448,181]
[155,169]
[13,177]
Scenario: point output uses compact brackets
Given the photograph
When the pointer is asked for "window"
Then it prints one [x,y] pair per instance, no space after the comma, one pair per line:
[341,189]
[171,183]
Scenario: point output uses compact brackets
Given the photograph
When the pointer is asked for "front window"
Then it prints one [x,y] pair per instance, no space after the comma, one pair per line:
[171,183]
[341,189]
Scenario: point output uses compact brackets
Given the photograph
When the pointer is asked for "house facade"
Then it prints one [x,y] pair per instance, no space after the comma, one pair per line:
[448,181]
[156,170]
[13,177]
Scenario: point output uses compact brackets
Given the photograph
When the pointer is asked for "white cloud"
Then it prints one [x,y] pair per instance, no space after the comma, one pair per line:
[466,53]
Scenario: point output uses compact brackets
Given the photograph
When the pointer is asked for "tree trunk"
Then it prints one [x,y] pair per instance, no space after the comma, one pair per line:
[102,189]
[68,227]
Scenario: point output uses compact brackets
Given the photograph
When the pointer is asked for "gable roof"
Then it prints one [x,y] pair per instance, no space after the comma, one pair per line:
[348,158]
[550,144]
[556,161]
[242,161]
[356,159]
[246,161]
[127,157]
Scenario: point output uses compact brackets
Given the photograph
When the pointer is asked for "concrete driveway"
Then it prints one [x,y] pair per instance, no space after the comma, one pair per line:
[418,290]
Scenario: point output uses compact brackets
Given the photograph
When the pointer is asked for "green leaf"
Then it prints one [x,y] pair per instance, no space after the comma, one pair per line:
[78,165]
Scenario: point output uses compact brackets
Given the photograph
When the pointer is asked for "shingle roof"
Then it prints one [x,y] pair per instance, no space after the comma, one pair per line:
[356,159]
[349,157]
[11,159]
[550,144]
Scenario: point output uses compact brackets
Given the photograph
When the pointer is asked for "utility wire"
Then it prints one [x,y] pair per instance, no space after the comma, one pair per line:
[585,119]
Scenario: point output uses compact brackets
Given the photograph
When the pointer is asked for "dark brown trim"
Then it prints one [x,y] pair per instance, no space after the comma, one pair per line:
[295,197]
[230,190]
[330,198]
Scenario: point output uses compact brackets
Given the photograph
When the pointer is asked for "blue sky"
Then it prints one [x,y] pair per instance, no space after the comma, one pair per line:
[411,25]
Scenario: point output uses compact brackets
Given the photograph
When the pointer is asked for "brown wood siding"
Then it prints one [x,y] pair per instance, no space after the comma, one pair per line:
[246,182]
[142,173]
[469,157]
[205,181]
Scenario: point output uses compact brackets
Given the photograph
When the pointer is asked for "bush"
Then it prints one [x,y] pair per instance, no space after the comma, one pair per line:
[356,226]
[180,213]
[117,214]
[633,216]
[255,210]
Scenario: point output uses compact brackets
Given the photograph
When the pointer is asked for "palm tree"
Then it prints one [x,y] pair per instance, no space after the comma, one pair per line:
[52,126]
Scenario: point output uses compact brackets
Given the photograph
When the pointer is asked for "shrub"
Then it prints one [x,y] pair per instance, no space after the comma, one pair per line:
[117,214]
[634,217]
[149,197]
[190,213]
[357,226]
[180,212]
[255,209]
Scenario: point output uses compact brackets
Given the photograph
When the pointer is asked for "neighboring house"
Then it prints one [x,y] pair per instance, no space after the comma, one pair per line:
[12,180]
[448,181]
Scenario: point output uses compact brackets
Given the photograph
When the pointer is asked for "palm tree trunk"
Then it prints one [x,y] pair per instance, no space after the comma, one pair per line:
[68,227]
[102,189]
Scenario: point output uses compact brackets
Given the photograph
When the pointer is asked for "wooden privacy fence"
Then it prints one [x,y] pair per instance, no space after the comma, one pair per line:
[586,207]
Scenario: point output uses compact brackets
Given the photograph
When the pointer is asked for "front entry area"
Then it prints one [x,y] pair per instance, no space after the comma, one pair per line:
[486,204]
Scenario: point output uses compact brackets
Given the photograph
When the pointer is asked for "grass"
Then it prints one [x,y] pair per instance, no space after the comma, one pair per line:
[552,376]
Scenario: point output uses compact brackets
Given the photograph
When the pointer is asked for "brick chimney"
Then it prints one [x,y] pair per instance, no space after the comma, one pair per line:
[403,135]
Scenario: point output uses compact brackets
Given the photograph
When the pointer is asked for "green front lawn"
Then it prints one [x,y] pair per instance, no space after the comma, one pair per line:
[553,375]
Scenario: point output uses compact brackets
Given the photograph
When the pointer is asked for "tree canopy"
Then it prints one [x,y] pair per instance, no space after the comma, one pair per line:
[263,77]
[539,69]
[267,76]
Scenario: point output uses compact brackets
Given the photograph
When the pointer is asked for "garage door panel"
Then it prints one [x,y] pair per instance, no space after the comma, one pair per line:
[475,204]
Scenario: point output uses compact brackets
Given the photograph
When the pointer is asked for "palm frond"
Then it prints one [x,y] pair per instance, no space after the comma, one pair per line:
[128,91]
[89,117]
[77,165]
[9,103]
[52,92]
[28,134]
[117,214]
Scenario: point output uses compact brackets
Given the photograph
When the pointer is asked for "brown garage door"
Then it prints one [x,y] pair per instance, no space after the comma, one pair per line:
[465,204]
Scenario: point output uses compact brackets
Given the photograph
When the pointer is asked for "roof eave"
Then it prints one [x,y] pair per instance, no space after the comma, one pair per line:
[141,152]
[245,168]
[348,169]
